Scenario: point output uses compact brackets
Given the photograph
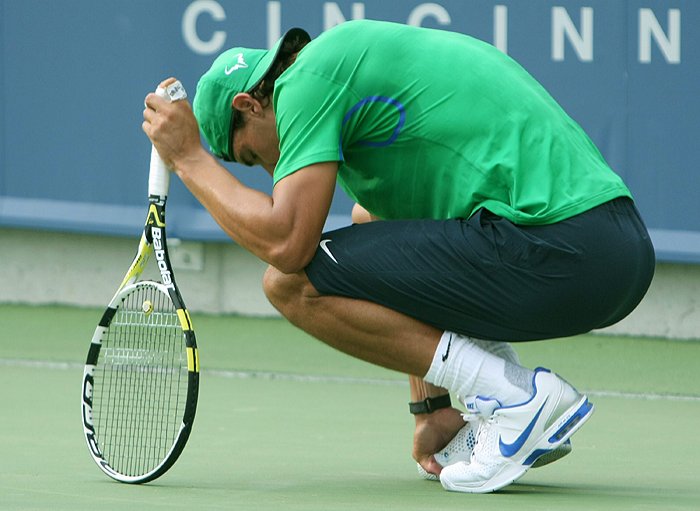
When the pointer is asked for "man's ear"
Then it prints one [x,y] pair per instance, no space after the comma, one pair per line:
[244,102]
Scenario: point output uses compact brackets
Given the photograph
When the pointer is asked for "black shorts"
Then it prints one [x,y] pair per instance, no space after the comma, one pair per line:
[489,278]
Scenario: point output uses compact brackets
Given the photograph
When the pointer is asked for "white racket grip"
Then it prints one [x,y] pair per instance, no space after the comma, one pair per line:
[159,175]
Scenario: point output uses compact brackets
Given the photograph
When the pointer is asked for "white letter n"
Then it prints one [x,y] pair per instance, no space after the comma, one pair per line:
[649,27]
[563,26]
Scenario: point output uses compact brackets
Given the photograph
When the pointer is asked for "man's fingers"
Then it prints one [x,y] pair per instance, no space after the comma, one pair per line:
[148,114]
[153,101]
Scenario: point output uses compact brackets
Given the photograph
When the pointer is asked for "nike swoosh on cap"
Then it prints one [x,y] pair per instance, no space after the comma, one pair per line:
[325,248]
[509,450]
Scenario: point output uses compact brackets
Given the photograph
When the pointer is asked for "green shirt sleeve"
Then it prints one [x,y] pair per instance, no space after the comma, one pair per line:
[309,111]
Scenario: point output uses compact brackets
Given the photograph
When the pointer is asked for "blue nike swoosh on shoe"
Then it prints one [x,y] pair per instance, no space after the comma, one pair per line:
[509,450]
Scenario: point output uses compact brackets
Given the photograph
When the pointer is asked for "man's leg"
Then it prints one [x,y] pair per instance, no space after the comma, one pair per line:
[384,337]
[359,328]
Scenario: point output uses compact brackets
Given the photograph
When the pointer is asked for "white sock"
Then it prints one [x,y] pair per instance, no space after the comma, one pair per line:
[501,349]
[462,366]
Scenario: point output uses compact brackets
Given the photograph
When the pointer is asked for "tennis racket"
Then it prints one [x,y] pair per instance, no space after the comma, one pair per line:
[141,377]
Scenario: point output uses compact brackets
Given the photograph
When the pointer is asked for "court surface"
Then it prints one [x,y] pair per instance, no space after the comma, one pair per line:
[285,423]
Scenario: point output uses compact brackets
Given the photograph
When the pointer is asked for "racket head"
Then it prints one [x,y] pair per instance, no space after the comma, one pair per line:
[140,384]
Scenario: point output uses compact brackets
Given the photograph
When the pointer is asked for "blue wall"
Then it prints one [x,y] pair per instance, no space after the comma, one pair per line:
[74,73]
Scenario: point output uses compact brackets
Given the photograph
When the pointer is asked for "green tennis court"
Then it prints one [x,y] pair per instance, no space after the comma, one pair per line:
[286,423]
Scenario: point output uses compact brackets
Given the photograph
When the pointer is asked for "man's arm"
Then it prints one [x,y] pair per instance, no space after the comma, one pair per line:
[282,229]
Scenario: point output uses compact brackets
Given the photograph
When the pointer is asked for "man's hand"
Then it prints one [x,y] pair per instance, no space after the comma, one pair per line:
[433,432]
[172,127]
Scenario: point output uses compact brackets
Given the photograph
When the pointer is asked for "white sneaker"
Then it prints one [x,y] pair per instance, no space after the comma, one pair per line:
[461,446]
[511,438]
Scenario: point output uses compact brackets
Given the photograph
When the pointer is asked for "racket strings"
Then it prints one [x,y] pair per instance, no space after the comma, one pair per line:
[140,383]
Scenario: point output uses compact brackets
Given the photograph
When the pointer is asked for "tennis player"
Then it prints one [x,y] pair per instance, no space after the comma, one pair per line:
[485,215]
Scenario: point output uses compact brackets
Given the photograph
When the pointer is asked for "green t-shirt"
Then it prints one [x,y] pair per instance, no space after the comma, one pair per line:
[434,124]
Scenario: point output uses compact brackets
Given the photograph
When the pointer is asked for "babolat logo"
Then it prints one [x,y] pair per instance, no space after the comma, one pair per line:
[157,234]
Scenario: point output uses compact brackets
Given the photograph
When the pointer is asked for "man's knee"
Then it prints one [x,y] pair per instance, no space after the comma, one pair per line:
[361,216]
[287,291]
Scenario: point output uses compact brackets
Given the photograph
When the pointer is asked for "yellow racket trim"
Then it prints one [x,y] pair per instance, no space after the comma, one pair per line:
[192,360]
[185,320]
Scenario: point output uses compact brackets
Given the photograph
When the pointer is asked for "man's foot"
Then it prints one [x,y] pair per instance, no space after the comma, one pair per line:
[510,439]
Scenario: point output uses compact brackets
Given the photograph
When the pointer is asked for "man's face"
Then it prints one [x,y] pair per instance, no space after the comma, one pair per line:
[256,142]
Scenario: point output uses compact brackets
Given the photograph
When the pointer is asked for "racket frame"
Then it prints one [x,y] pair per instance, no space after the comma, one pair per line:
[153,242]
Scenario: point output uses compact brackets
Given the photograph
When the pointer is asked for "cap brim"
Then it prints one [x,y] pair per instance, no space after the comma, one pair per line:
[266,62]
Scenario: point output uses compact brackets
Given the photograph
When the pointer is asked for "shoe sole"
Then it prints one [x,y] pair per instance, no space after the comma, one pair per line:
[552,455]
[575,417]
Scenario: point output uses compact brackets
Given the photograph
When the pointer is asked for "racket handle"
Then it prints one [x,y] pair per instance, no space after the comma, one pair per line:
[159,175]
